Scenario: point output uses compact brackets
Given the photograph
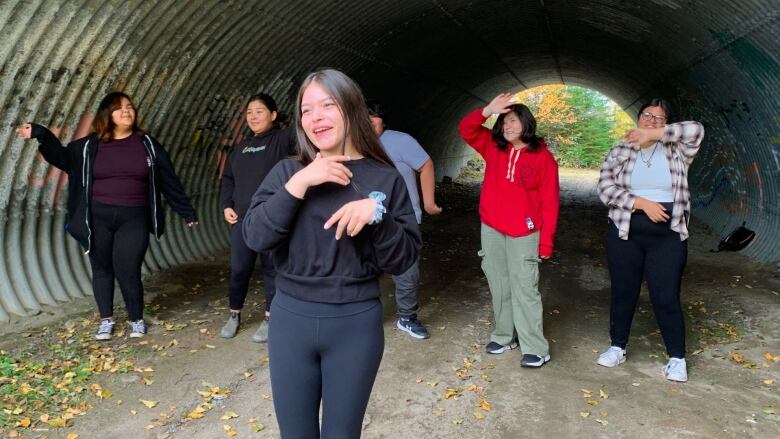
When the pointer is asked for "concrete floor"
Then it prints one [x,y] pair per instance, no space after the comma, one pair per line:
[446,386]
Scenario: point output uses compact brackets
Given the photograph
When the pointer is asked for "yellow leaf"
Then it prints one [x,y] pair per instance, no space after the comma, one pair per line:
[211,346]
[603,394]
[103,394]
[592,402]
[72,436]
[58,422]
[231,433]
[584,414]
[265,360]
[148,369]
[457,421]
[602,422]
[133,412]
[147,403]
[195,414]
[248,374]
[484,405]
[257,428]
[769,356]
[769,382]
[604,413]
[226,427]
[479,415]
[149,427]
[204,394]
[228,415]
[24,423]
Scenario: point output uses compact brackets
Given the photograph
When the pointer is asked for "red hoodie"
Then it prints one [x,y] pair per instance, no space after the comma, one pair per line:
[517,185]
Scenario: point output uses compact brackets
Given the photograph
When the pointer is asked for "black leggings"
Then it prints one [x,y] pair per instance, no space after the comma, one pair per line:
[120,237]
[242,264]
[655,252]
[328,352]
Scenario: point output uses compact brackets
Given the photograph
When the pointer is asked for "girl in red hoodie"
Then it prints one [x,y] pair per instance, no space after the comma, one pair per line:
[518,208]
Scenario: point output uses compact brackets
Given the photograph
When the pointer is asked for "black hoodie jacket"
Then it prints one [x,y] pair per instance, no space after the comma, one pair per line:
[77,160]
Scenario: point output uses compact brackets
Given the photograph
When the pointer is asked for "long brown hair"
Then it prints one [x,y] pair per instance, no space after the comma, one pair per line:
[527,136]
[102,124]
[350,101]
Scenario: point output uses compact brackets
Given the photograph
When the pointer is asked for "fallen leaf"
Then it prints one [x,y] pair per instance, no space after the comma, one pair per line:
[265,360]
[147,403]
[484,405]
[584,414]
[602,422]
[72,436]
[603,394]
[769,410]
[24,423]
[257,428]
[44,418]
[149,427]
[479,415]
[228,415]
[211,346]
[769,382]
[457,421]
[769,356]
[592,402]
[133,412]
[58,422]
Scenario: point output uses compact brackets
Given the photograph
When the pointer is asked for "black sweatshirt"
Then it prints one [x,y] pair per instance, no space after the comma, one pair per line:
[310,263]
[249,163]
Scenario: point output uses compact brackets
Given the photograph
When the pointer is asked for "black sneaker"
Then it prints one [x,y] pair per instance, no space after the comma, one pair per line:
[497,348]
[413,327]
[530,360]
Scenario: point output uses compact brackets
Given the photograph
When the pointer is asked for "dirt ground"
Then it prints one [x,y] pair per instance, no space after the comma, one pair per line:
[447,386]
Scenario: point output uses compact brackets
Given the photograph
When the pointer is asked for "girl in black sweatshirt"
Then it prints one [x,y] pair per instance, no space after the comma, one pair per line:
[335,219]
[245,169]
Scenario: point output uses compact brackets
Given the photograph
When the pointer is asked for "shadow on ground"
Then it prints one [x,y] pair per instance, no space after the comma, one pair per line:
[207,387]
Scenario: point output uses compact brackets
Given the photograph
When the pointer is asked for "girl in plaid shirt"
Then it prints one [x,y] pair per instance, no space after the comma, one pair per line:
[644,183]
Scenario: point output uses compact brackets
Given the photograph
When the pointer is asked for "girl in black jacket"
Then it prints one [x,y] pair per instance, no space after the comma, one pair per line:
[335,219]
[116,178]
[248,164]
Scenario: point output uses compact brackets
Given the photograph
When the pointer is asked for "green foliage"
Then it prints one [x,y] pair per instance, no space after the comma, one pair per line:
[580,125]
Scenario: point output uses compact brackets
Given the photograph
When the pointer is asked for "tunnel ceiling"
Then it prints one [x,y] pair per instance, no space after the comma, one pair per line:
[190,64]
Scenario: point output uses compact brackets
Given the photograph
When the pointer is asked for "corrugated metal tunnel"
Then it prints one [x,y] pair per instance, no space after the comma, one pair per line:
[190,65]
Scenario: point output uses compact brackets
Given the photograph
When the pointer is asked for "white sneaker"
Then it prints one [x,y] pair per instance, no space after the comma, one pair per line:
[676,370]
[614,356]
[105,330]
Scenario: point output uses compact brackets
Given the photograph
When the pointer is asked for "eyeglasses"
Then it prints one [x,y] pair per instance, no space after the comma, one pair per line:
[650,117]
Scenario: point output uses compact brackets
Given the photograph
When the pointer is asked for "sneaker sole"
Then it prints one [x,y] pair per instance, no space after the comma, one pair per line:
[409,331]
[103,337]
[621,361]
[136,335]
[544,361]
[506,348]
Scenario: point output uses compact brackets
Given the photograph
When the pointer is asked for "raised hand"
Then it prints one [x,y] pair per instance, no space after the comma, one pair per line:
[352,217]
[24,131]
[643,136]
[320,170]
[499,105]
[230,215]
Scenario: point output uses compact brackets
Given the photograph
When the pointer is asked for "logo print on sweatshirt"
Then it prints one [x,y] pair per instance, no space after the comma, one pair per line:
[252,149]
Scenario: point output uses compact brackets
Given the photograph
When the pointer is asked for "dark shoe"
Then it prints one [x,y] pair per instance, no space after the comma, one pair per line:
[137,329]
[497,348]
[413,327]
[530,360]
[231,327]
[105,330]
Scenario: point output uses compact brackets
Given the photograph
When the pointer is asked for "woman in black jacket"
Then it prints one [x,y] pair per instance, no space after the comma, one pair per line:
[116,178]
[335,219]
[245,169]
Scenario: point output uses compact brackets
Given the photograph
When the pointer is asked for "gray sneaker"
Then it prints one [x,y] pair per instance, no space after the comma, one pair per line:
[231,327]
[105,330]
[261,335]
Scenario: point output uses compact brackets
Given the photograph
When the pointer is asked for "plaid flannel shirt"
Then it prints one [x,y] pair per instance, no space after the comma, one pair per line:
[681,143]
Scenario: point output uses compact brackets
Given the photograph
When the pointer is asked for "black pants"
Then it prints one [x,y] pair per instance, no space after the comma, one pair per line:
[242,264]
[120,237]
[328,352]
[653,252]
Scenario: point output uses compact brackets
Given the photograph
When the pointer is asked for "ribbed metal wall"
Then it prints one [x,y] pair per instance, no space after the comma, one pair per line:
[190,64]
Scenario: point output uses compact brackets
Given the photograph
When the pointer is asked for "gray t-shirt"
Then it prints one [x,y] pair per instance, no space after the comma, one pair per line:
[408,157]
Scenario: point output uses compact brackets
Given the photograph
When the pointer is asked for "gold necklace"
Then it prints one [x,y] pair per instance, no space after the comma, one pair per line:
[649,161]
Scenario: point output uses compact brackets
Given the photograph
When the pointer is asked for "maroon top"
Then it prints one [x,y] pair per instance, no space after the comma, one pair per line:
[121,175]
